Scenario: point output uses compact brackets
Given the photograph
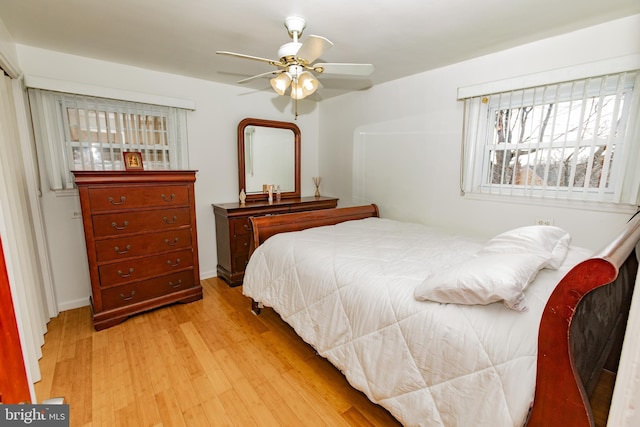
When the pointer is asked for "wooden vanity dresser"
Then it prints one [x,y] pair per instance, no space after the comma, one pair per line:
[140,232]
[234,234]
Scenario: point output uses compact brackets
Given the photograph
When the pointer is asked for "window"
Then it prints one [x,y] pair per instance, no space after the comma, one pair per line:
[76,132]
[572,141]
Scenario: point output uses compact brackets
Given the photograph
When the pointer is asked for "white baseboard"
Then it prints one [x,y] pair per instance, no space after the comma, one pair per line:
[208,274]
[70,305]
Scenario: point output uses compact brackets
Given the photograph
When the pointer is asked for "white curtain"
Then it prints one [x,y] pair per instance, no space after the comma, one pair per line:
[19,225]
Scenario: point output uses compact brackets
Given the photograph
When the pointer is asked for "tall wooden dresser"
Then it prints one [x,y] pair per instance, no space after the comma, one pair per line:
[142,247]
[234,234]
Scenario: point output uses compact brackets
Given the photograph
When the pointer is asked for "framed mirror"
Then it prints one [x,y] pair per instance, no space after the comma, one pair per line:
[268,154]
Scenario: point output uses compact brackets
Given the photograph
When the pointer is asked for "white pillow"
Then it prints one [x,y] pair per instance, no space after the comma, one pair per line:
[484,279]
[545,239]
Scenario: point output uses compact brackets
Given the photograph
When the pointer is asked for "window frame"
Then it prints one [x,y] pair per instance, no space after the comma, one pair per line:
[478,144]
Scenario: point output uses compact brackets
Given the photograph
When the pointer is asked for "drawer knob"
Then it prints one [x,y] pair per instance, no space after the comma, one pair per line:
[122,199]
[121,274]
[168,242]
[247,227]
[168,221]
[129,298]
[117,227]
[170,264]
[176,285]
[168,199]
[122,252]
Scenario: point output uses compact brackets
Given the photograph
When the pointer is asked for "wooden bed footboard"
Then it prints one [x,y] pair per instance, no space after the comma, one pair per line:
[584,319]
[266,226]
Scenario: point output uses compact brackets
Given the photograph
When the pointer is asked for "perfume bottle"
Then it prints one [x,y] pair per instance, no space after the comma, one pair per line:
[278,195]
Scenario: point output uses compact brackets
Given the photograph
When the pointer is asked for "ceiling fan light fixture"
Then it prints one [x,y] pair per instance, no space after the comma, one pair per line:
[281,83]
[308,83]
[296,91]
[304,85]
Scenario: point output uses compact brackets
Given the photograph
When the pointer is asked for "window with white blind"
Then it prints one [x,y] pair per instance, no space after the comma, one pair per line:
[575,140]
[77,132]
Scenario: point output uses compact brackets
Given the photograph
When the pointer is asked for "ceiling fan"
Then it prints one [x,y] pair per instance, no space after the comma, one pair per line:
[295,66]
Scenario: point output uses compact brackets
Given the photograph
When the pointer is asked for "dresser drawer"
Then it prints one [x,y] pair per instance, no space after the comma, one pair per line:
[132,293]
[240,246]
[145,244]
[113,224]
[132,197]
[240,226]
[240,262]
[138,269]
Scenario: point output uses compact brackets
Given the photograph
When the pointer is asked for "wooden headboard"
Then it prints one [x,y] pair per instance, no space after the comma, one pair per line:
[266,226]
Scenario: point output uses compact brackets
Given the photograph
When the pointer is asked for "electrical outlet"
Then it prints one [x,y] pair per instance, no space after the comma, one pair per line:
[544,221]
[76,214]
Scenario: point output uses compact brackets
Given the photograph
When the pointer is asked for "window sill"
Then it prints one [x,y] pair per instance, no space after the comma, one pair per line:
[565,204]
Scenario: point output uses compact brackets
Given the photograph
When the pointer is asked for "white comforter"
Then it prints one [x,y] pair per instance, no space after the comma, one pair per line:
[348,291]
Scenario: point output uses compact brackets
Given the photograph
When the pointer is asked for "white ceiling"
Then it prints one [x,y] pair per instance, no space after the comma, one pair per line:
[400,37]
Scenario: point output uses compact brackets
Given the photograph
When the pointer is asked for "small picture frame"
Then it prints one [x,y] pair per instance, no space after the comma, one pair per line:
[133,161]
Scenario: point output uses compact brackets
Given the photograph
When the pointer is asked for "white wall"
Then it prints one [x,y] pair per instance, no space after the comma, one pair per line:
[212,136]
[408,132]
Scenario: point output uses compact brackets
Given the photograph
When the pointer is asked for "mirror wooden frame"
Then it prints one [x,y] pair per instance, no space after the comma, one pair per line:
[241,156]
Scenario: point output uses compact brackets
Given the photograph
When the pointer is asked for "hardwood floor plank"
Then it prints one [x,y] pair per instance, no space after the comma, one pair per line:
[185,395]
[153,357]
[237,411]
[287,412]
[119,372]
[185,353]
[203,388]
[304,408]
[213,370]
[101,390]
[260,412]
[196,417]
[82,388]
[355,418]
[170,412]
[147,409]
[326,411]
[216,413]
[228,365]
[129,416]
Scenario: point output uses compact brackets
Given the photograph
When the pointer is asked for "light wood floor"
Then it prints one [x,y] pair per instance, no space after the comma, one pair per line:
[207,363]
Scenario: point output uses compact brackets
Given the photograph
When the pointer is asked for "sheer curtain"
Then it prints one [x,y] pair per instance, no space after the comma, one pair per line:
[19,221]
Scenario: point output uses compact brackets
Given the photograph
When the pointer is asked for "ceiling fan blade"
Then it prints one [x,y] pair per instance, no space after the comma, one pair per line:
[344,68]
[257,76]
[255,58]
[313,47]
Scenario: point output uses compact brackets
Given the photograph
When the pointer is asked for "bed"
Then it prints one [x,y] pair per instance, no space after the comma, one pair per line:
[365,293]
